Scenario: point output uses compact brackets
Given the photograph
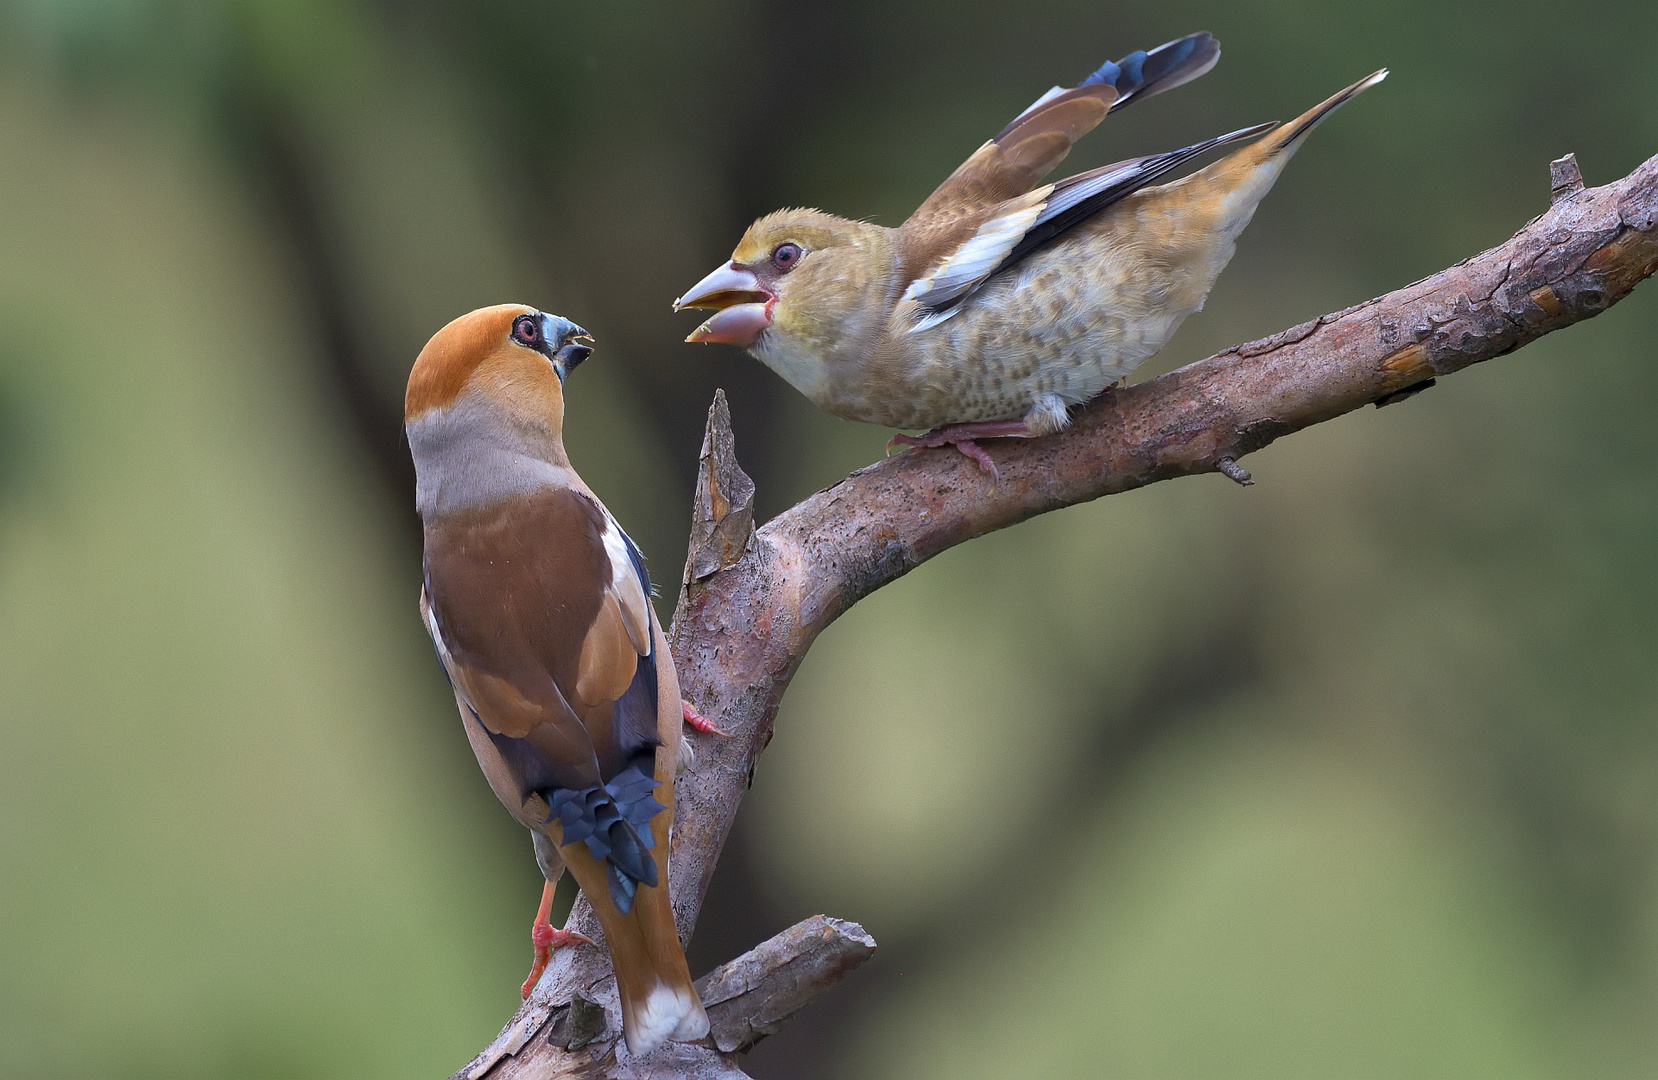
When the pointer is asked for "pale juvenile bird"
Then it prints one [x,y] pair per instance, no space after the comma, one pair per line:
[1000,304]
[539,607]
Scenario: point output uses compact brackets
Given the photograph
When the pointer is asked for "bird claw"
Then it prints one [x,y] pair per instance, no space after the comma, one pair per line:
[934,439]
[963,436]
[547,938]
[699,722]
[931,439]
[976,452]
[551,937]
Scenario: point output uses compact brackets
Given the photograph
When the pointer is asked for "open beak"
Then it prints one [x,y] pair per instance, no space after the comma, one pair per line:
[573,354]
[743,304]
[571,351]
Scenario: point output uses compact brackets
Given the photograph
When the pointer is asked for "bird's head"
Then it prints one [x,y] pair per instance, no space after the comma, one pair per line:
[484,411]
[509,360]
[801,274]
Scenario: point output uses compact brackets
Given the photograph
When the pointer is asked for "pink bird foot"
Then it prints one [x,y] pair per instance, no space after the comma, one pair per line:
[699,722]
[962,437]
[546,938]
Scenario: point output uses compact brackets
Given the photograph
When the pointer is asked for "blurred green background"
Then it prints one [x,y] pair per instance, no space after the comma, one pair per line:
[1351,774]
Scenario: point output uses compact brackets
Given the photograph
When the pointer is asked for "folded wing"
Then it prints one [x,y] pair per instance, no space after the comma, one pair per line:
[549,647]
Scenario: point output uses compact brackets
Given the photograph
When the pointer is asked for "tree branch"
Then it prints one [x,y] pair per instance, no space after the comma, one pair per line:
[755,600]
[750,997]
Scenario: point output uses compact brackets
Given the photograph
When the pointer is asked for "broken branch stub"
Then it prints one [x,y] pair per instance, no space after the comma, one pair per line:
[722,517]
[750,997]
[1565,179]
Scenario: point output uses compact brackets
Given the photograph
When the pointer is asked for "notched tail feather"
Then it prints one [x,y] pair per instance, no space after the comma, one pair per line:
[1293,132]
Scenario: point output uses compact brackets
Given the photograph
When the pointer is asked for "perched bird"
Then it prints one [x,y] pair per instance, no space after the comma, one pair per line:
[1000,304]
[539,607]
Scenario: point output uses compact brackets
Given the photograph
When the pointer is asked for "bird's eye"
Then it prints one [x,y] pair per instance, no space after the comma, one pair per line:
[784,256]
[526,331]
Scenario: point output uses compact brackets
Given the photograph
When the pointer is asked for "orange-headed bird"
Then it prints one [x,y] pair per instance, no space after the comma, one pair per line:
[1000,304]
[539,606]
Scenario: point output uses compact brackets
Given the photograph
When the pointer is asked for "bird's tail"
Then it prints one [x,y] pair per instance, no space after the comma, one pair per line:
[658,1001]
[1242,179]
[1288,137]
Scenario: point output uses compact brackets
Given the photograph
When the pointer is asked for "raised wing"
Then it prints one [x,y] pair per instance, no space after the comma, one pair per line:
[1038,139]
[549,646]
[1011,231]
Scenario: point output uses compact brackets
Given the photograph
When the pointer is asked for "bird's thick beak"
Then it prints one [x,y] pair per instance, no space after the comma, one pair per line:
[570,351]
[744,306]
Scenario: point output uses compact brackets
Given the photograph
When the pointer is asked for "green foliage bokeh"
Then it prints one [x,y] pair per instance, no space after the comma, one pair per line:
[1349,774]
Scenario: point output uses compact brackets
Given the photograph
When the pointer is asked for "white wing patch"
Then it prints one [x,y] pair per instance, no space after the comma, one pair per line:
[981,254]
[626,587]
[933,318]
[974,261]
[963,272]
[430,618]
[1069,196]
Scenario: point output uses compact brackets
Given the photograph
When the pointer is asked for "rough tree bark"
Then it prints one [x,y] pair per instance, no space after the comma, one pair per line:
[755,599]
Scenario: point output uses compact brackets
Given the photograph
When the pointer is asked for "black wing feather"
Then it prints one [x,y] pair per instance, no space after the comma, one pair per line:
[1105,186]
[1078,198]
